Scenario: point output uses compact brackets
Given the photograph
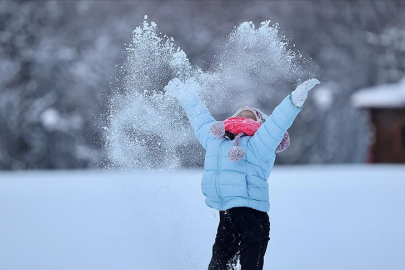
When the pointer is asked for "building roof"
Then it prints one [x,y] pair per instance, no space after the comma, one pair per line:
[381,96]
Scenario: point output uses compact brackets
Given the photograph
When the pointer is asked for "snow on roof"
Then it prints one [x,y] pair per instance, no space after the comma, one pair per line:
[381,96]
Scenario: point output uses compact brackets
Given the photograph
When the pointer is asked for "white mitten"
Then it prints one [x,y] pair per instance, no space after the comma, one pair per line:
[180,90]
[175,88]
[299,95]
[192,85]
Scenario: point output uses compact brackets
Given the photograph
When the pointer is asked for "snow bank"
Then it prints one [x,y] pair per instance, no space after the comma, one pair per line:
[341,217]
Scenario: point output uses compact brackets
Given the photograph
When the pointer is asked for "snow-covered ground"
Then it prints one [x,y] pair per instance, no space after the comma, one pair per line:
[322,217]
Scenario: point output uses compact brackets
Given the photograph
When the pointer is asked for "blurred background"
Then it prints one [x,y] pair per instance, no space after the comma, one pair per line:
[59,63]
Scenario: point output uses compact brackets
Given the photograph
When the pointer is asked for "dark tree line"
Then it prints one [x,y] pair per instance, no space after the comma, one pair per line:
[59,60]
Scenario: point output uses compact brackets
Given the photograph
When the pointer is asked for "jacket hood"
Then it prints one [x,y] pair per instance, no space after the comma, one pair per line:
[260,116]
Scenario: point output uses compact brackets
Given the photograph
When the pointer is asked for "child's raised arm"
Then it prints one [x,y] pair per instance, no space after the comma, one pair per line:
[267,138]
[197,113]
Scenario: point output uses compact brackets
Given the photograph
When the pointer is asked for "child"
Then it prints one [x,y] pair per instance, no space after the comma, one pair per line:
[238,187]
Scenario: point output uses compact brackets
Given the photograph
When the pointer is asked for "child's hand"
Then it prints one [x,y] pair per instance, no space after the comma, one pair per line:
[299,95]
[178,89]
[174,88]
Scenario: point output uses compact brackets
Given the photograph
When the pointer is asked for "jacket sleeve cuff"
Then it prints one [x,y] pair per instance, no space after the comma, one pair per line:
[290,96]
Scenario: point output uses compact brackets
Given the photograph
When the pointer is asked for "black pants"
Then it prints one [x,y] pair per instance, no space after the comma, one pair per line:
[242,232]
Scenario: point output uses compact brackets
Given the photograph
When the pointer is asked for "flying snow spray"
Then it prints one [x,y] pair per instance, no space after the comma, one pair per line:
[147,129]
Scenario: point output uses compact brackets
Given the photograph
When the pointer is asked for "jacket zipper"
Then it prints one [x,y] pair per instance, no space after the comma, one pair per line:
[217,175]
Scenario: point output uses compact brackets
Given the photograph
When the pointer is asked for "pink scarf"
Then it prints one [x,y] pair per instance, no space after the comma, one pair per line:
[235,128]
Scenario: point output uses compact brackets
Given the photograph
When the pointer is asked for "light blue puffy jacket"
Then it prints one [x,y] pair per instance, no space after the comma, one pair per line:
[228,184]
